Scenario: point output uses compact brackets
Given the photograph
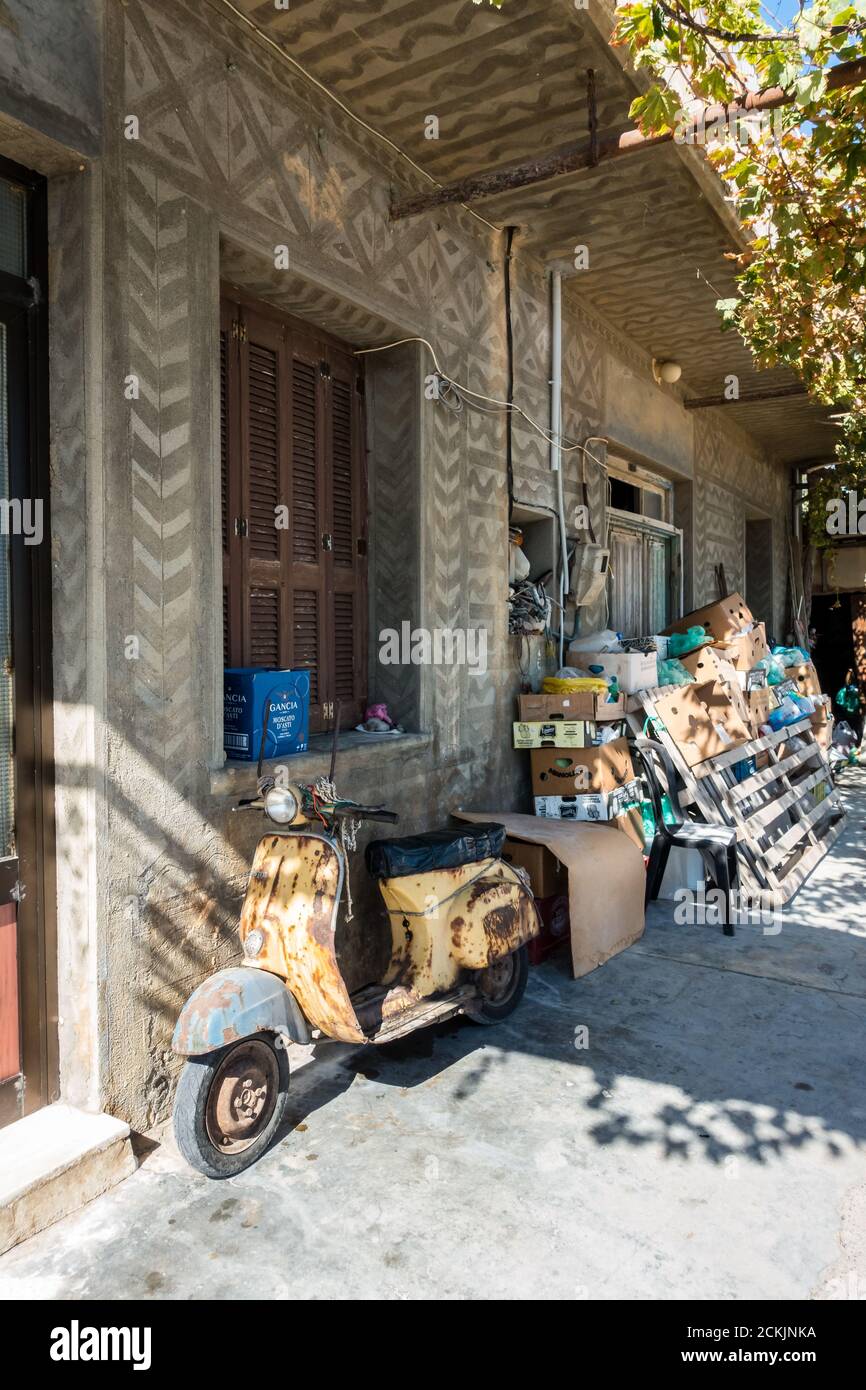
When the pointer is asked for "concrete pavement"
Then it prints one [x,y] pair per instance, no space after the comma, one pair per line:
[709,1142]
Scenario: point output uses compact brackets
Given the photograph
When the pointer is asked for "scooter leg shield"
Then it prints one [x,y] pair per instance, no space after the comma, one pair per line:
[235,1004]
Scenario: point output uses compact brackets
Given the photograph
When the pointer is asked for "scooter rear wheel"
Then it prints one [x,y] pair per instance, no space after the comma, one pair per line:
[501,987]
[229,1105]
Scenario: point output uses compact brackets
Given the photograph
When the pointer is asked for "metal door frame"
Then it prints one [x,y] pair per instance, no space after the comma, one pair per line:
[645,525]
[23,305]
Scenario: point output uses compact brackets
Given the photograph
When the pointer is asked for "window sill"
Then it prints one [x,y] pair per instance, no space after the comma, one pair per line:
[235,779]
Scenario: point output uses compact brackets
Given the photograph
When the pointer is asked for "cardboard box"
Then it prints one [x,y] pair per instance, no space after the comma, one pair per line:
[760,702]
[710,664]
[535,709]
[633,670]
[556,733]
[547,875]
[245,690]
[822,723]
[806,677]
[747,650]
[723,620]
[589,806]
[580,705]
[702,721]
[568,771]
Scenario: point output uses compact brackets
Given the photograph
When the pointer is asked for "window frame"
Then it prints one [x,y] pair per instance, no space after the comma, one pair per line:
[336,365]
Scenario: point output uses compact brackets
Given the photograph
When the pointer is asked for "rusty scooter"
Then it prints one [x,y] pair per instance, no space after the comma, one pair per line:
[460,920]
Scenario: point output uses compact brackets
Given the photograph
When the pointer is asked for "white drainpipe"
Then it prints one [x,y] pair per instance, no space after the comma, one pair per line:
[555,446]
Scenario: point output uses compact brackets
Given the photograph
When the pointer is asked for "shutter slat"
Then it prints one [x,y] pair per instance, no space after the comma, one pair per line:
[344,647]
[306,636]
[306,539]
[264,627]
[341,472]
[264,460]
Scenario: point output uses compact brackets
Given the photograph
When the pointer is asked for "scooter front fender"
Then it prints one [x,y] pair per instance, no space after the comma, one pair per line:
[235,1004]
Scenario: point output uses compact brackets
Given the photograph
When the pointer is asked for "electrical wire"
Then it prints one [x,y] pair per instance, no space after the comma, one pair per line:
[567,445]
[293,62]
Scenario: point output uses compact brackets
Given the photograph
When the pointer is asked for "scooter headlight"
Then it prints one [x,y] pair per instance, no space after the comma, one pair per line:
[281,805]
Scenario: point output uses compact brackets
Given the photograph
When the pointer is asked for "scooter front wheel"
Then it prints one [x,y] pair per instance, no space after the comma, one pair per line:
[229,1105]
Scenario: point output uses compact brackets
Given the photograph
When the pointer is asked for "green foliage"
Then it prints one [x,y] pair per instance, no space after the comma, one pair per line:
[798,181]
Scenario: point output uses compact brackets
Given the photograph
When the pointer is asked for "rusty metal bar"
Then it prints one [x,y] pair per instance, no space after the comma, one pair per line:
[575,158]
[773,393]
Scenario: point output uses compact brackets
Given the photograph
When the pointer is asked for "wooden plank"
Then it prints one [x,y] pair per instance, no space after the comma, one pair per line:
[781,849]
[793,881]
[749,750]
[770,774]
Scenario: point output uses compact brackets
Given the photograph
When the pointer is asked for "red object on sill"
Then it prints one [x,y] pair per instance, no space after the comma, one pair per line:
[555,927]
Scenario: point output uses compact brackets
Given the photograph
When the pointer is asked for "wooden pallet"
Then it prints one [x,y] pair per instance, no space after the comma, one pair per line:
[782,832]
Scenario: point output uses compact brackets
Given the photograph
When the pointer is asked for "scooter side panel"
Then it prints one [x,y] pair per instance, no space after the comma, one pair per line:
[453,920]
[492,918]
[292,897]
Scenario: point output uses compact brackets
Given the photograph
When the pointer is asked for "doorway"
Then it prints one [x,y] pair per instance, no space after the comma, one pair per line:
[28,987]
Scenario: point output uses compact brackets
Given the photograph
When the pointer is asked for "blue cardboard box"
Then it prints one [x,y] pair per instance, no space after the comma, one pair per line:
[245,690]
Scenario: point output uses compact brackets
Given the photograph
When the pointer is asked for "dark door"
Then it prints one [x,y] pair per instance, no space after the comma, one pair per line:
[28,1014]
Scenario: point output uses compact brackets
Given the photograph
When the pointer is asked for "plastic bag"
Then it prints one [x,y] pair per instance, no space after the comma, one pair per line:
[555,685]
[437,849]
[606,641]
[791,656]
[774,668]
[673,672]
[681,643]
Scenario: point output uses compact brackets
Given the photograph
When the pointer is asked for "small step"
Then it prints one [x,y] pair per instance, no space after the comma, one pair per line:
[427,1012]
[53,1162]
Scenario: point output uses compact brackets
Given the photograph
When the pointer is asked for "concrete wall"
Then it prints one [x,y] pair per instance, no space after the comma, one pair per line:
[235,156]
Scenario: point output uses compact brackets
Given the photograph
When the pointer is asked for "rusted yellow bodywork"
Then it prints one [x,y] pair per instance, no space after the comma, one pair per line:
[454,920]
[443,925]
[292,897]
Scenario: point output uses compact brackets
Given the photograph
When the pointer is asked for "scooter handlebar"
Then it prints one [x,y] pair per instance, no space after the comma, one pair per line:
[367,813]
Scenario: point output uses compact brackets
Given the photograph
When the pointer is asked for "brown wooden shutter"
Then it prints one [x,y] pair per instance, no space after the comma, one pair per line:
[264,476]
[291,436]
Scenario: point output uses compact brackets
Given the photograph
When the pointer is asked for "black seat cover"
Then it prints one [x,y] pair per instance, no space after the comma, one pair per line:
[437,849]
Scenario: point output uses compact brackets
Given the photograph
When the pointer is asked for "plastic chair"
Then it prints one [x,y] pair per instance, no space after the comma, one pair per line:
[717,844]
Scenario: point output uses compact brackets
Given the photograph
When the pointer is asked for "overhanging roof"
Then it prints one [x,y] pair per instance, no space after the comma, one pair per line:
[511,84]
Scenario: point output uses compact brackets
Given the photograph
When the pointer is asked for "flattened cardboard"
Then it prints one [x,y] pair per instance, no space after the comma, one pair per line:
[567,771]
[702,721]
[554,733]
[606,882]
[722,620]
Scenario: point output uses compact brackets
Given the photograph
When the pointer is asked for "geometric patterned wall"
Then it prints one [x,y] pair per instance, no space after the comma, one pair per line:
[233,152]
